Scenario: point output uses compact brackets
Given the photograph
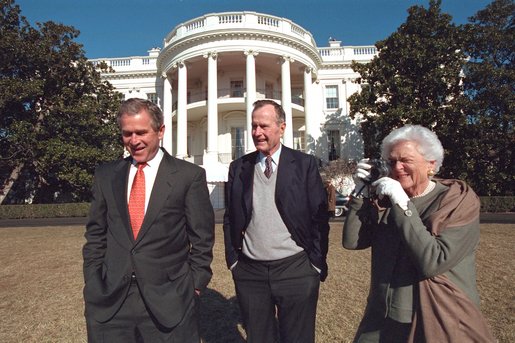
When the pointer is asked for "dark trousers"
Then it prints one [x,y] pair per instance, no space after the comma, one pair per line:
[278,298]
[133,323]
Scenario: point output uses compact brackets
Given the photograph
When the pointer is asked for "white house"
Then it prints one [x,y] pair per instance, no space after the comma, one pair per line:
[212,68]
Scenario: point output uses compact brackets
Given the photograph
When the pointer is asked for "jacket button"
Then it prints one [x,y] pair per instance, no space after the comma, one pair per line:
[133,252]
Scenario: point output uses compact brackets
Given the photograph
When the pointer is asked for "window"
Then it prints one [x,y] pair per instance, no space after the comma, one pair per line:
[237,142]
[297,96]
[152,97]
[331,97]
[237,89]
[299,141]
[333,140]
[269,90]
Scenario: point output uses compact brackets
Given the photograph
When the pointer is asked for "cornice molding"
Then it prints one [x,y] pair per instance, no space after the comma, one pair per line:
[129,75]
[167,54]
[335,65]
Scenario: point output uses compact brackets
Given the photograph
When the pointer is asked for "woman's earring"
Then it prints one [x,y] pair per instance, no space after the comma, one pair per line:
[430,172]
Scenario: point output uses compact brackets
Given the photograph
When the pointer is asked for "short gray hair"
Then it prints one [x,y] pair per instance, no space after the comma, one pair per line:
[279,111]
[428,144]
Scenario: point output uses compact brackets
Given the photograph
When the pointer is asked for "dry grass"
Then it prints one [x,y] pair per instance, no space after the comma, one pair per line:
[41,287]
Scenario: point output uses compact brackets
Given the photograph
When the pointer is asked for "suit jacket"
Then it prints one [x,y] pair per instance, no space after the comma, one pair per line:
[300,198]
[172,254]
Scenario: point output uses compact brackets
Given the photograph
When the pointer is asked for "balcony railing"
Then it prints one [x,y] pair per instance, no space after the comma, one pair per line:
[136,63]
[347,53]
[238,20]
[226,93]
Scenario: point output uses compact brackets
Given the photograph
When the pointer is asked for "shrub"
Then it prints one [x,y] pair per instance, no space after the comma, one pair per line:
[44,210]
[498,204]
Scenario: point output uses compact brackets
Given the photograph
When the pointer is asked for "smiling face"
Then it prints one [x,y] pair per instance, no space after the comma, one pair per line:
[139,138]
[266,131]
[409,167]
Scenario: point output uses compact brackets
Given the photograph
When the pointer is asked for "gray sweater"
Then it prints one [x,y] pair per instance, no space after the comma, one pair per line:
[267,238]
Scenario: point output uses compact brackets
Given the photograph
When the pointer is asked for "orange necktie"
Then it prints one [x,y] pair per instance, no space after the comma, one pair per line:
[137,200]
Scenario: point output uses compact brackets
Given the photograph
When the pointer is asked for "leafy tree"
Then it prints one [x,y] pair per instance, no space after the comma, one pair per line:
[490,86]
[57,117]
[416,79]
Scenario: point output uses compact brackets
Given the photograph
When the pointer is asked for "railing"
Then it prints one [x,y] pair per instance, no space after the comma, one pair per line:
[234,20]
[365,50]
[120,63]
[195,25]
[267,20]
[298,30]
[298,100]
[331,52]
[129,63]
[225,93]
[230,19]
[347,53]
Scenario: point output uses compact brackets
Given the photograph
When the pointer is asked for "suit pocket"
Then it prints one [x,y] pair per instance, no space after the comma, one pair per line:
[176,272]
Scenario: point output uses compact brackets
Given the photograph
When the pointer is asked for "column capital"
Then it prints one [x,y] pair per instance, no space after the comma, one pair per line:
[308,70]
[249,52]
[285,58]
[179,64]
[212,54]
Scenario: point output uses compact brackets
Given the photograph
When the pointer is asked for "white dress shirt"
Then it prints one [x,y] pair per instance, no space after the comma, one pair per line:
[150,176]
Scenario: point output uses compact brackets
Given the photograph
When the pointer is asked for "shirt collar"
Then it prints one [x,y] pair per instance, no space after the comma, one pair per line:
[275,156]
[154,162]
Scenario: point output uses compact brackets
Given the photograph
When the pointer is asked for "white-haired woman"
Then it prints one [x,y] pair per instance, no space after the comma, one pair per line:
[423,233]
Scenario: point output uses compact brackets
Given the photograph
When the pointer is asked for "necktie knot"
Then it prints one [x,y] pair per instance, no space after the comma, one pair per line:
[268,166]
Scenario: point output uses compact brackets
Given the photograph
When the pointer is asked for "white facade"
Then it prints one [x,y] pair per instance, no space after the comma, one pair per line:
[212,68]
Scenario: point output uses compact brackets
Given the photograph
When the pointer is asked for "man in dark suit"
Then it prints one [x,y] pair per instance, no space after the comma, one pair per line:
[149,239]
[276,231]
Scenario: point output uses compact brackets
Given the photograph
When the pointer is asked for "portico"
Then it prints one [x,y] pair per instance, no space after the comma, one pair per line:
[210,71]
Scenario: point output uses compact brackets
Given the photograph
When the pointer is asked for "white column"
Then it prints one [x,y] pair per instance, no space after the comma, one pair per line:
[310,130]
[251,94]
[345,103]
[182,124]
[286,100]
[212,108]
[167,113]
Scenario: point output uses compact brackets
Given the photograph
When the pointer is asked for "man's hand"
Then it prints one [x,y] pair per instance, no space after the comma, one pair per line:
[391,188]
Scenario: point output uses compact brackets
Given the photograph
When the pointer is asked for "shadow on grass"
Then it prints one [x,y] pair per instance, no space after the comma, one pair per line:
[219,318]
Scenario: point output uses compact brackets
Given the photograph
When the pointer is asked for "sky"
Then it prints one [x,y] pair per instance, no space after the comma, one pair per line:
[123,28]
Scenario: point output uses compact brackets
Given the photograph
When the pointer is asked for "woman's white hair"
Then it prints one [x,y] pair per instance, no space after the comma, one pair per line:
[428,144]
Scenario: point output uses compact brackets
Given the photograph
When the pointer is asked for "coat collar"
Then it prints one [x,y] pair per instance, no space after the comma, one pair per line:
[160,192]
[119,181]
[286,160]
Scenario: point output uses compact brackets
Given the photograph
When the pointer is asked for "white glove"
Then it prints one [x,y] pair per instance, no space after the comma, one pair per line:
[361,178]
[391,188]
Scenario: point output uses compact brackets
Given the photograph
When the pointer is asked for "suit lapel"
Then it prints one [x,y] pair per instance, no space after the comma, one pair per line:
[160,192]
[247,179]
[284,168]
[119,185]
